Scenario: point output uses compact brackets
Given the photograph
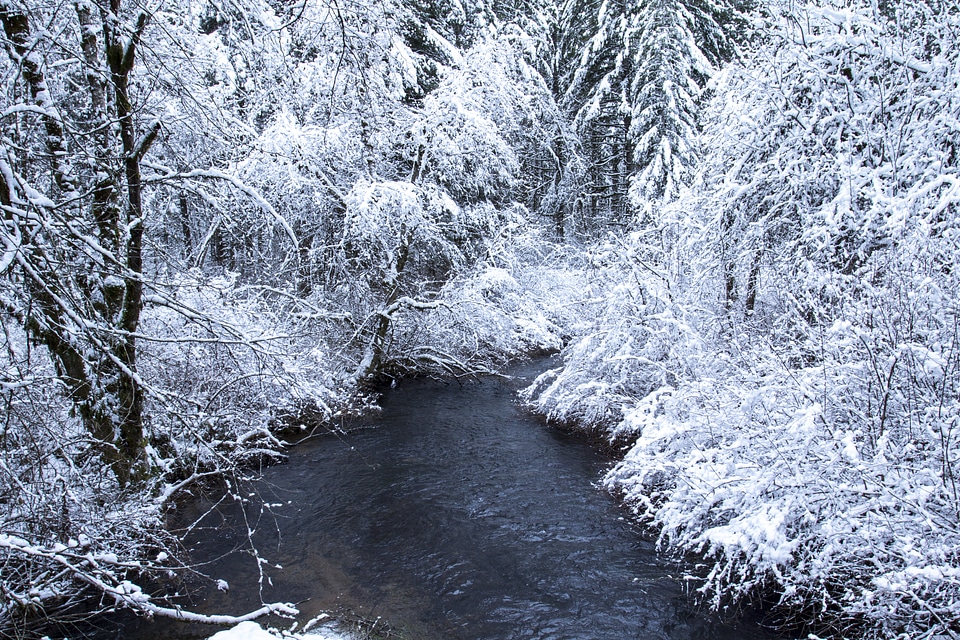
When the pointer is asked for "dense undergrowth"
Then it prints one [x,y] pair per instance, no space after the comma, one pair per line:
[819,471]
[779,358]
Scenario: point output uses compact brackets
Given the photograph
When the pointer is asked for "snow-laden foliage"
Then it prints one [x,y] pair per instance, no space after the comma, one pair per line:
[237,364]
[830,481]
[663,94]
[627,351]
[523,297]
[219,369]
[797,426]
[399,184]
[455,143]
[390,223]
[824,471]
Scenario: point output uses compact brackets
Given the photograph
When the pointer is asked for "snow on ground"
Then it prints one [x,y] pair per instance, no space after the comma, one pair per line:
[253,631]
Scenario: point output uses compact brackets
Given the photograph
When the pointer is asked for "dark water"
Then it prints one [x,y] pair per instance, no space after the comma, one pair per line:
[456,515]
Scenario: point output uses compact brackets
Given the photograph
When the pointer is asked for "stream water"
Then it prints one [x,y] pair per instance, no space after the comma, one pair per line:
[453,514]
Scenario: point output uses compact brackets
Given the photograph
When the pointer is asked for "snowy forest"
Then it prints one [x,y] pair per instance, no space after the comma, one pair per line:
[738,222]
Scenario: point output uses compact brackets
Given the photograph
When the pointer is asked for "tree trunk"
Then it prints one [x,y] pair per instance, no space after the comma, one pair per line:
[88,322]
[129,392]
[753,284]
[560,215]
[377,350]
[185,225]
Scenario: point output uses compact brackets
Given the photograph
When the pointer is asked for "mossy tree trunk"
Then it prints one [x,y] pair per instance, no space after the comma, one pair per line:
[84,293]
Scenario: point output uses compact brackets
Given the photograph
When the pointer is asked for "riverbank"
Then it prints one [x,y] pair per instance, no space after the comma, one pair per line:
[805,471]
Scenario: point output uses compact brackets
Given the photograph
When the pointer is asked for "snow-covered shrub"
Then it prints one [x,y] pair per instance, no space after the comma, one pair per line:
[63,517]
[514,302]
[821,468]
[506,291]
[455,144]
[799,432]
[226,362]
[833,483]
[58,502]
[220,365]
[400,243]
[628,349]
[488,123]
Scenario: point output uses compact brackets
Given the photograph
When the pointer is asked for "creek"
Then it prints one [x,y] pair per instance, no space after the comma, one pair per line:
[453,514]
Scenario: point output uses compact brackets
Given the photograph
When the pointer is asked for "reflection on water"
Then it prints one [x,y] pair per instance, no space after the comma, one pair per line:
[454,515]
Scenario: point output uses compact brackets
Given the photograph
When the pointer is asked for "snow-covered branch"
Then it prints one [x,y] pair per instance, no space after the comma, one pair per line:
[169,175]
[104,573]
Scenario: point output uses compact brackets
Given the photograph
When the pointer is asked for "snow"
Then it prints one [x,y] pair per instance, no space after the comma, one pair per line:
[253,631]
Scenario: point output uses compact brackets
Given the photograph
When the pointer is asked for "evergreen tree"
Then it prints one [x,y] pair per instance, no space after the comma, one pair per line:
[635,98]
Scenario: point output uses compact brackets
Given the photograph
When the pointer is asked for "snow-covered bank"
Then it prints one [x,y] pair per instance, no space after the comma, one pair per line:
[826,482]
[780,357]
[253,631]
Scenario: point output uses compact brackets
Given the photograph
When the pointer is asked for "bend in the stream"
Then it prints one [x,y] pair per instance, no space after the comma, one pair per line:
[455,515]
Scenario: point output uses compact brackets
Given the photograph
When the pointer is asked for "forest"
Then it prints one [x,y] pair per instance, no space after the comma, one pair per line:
[738,221]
